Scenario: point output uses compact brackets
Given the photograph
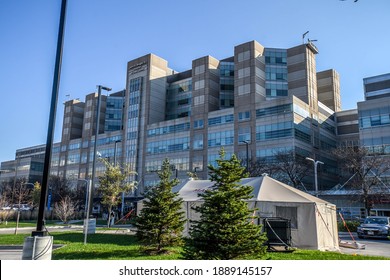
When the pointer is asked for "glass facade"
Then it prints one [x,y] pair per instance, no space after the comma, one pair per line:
[166,146]
[135,100]
[275,110]
[169,129]
[374,117]
[276,73]
[222,138]
[114,113]
[274,131]
[179,96]
[226,82]
[221,120]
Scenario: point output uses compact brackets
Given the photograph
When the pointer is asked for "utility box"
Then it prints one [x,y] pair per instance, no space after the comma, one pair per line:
[278,231]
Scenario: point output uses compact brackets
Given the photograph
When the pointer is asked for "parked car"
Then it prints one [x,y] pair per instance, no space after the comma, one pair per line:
[23,207]
[374,227]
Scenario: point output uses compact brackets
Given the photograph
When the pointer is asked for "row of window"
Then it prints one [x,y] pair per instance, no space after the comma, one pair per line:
[114,102]
[172,145]
[181,87]
[181,164]
[222,138]
[135,84]
[109,140]
[276,92]
[275,110]
[134,98]
[226,69]
[377,120]
[221,120]
[169,129]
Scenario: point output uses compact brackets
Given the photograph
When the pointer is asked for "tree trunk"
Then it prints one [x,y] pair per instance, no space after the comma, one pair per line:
[109,216]
[17,221]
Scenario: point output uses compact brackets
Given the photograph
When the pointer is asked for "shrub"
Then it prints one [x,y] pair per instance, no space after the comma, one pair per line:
[352,226]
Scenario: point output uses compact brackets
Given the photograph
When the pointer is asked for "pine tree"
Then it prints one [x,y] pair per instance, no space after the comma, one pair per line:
[161,223]
[225,229]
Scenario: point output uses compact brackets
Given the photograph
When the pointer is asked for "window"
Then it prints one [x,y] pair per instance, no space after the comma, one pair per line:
[274,131]
[221,138]
[244,116]
[245,72]
[169,129]
[199,100]
[289,213]
[199,84]
[244,134]
[244,89]
[198,142]
[280,109]
[243,56]
[199,69]
[197,163]
[221,120]
[198,124]
[165,146]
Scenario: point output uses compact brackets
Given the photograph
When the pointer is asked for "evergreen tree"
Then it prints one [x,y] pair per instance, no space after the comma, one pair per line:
[161,223]
[225,229]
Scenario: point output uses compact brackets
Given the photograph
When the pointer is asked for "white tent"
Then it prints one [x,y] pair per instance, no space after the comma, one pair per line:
[313,220]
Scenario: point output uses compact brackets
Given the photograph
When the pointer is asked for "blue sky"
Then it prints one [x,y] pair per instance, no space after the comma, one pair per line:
[101,36]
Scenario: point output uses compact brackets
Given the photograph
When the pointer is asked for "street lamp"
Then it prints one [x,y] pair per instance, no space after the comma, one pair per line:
[87,202]
[247,154]
[96,138]
[116,142]
[316,162]
[123,193]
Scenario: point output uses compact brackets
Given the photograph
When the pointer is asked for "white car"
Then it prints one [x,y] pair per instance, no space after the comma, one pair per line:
[23,207]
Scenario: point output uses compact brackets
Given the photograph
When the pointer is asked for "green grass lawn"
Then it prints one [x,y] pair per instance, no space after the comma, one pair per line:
[106,246]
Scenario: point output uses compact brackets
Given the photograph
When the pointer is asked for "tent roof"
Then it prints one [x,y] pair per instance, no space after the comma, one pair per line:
[265,189]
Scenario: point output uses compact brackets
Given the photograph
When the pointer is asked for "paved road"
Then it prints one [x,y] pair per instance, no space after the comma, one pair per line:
[373,247]
[28,230]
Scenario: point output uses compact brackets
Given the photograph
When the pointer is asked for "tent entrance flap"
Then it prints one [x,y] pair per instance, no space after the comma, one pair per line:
[278,231]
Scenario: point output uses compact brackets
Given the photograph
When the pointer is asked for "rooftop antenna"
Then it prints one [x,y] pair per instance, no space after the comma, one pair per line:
[67,98]
[303,36]
[312,46]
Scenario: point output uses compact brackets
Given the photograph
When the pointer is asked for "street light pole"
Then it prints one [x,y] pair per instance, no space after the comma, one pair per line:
[116,142]
[316,162]
[87,202]
[96,140]
[50,133]
[123,193]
